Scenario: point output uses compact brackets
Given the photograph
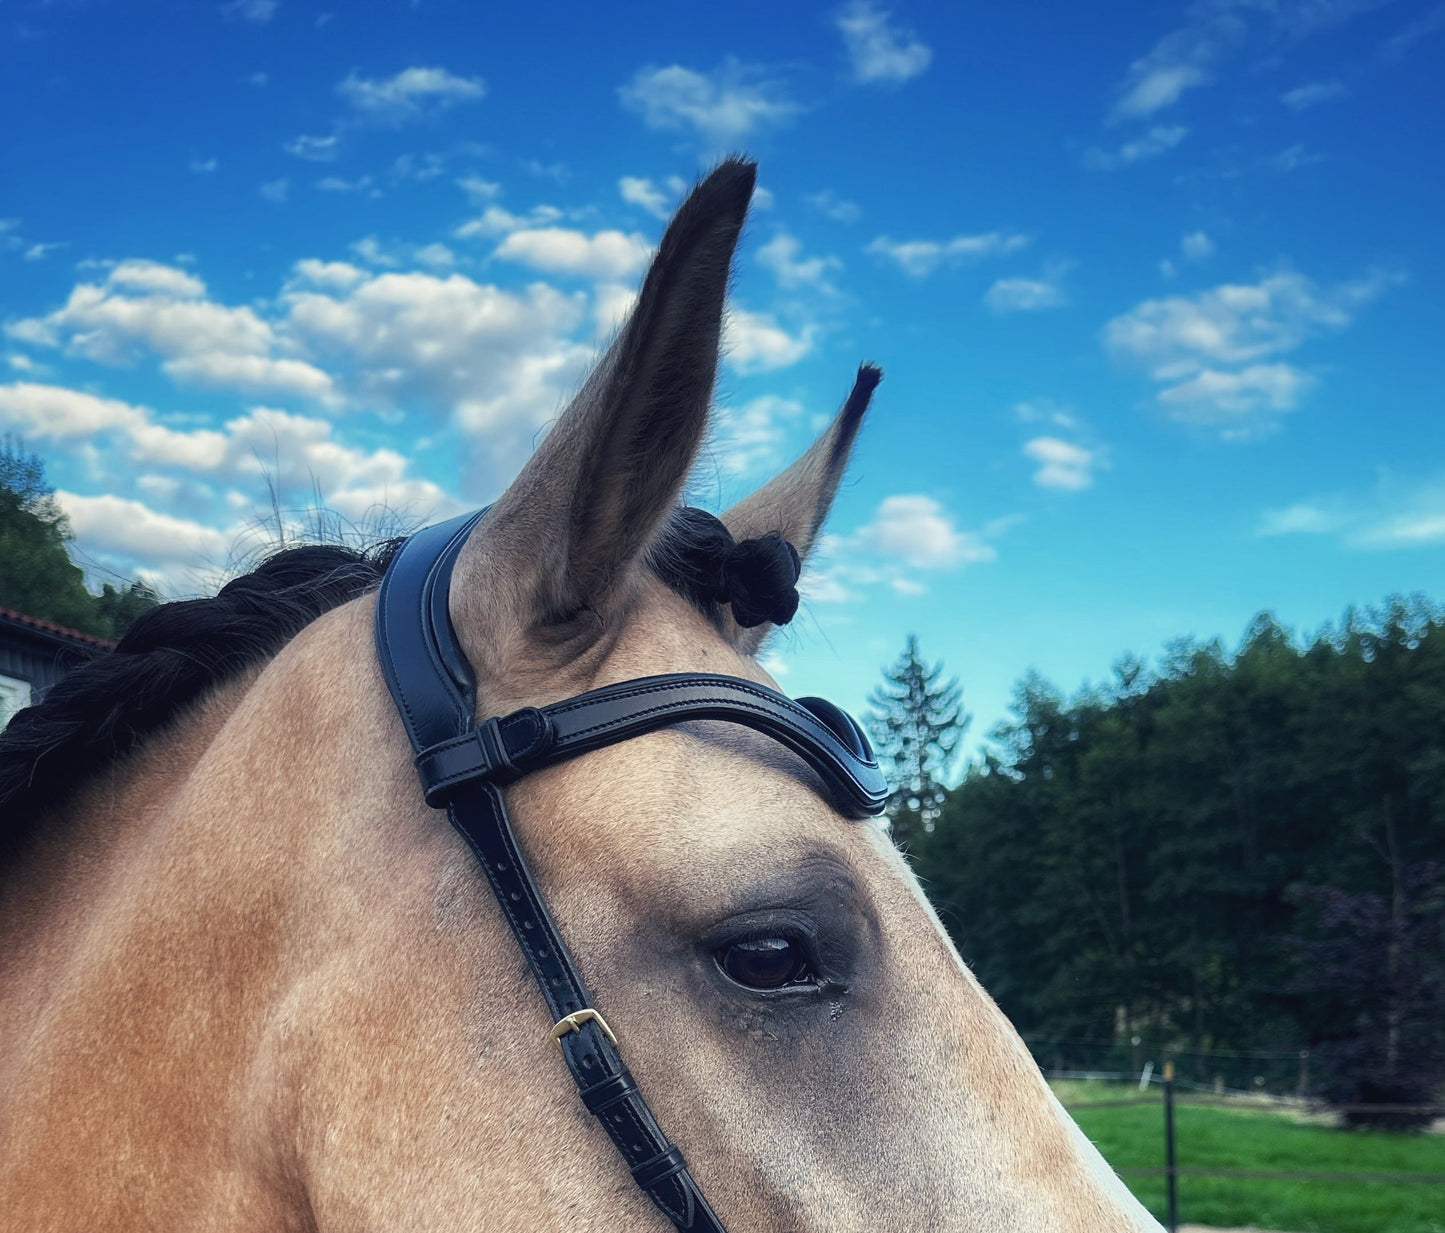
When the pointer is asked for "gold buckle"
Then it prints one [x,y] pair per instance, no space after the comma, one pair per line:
[574,1022]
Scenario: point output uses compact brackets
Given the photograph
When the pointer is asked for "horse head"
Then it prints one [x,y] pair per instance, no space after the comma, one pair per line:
[314,1014]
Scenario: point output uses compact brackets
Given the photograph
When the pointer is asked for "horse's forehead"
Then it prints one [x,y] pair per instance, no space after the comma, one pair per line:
[663,632]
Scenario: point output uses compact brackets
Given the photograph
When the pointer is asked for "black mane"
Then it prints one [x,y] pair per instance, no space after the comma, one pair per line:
[171,656]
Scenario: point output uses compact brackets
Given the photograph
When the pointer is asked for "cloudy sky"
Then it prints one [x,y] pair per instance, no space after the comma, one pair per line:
[1155,293]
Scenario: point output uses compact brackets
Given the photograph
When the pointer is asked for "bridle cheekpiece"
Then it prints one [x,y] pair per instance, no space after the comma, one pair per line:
[464,765]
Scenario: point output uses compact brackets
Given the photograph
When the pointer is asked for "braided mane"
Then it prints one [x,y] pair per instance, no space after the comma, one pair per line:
[172,656]
[178,652]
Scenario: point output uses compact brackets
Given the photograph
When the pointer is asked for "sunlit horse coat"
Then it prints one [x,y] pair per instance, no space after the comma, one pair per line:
[249,981]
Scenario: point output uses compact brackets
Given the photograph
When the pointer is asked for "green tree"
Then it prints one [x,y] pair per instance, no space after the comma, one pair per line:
[1138,860]
[916,720]
[37,576]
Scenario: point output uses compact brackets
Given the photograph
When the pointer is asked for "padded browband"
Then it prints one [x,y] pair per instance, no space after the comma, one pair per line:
[464,765]
[505,749]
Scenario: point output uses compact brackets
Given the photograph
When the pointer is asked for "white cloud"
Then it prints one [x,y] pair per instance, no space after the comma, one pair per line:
[438,256]
[605,255]
[411,93]
[335,274]
[920,258]
[258,12]
[256,79]
[657,199]
[1064,465]
[773,664]
[339,184]
[370,250]
[38,252]
[1195,53]
[298,456]
[1291,158]
[253,373]
[48,412]
[495,221]
[1208,351]
[479,190]
[1024,295]
[557,172]
[148,308]
[1182,60]
[724,107]
[749,438]
[276,190]
[755,342]
[1233,400]
[499,363]
[202,166]
[1238,322]
[1197,246]
[1399,514]
[916,529]
[830,205]
[423,168]
[117,524]
[1158,86]
[1312,93]
[781,255]
[1394,47]
[878,51]
[1158,140]
[611,304]
[1301,519]
[314,149]
[1045,411]
[154,278]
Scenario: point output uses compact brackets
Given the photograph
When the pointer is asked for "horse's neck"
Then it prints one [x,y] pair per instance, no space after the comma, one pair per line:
[133,942]
[91,843]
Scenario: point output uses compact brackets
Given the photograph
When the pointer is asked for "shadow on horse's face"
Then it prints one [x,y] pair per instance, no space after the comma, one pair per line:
[275,991]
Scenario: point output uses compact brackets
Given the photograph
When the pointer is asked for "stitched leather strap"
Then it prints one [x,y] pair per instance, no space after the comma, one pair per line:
[464,766]
[503,750]
[478,812]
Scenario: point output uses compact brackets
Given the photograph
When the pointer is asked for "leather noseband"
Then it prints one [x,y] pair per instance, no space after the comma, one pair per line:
[464,765]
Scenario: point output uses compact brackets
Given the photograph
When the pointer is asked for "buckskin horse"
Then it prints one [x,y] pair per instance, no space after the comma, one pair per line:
[250,980]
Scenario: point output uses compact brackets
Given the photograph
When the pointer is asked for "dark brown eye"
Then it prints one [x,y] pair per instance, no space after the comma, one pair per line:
[767,963]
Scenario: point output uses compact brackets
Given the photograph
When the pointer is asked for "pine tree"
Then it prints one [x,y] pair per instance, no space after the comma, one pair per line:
[916,720]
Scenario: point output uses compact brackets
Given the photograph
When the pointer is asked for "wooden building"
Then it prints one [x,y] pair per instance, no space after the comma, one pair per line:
[34,654]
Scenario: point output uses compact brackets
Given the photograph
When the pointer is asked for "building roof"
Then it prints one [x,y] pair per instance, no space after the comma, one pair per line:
[49,631]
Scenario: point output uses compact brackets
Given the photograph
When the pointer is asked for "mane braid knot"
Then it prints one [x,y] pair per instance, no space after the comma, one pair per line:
[758,577]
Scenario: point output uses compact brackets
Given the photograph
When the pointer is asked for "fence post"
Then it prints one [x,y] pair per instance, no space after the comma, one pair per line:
[1171,1175]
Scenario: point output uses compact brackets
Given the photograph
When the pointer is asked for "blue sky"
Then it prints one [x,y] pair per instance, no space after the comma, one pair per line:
[1156,289]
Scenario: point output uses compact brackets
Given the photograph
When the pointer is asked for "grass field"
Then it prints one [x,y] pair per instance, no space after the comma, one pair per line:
[1254,1138]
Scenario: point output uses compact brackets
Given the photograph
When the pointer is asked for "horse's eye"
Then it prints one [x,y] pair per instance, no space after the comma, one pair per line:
[767,963]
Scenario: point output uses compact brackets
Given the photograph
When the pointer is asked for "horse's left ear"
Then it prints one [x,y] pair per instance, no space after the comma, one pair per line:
[554,560]
[796,503]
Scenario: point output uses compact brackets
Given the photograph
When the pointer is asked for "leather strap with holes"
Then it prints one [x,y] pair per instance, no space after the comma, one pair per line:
[464,765]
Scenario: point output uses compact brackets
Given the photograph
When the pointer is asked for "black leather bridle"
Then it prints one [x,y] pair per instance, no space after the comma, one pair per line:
[464,765]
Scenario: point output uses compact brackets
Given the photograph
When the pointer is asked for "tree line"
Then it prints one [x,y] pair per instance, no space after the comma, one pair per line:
[1233,854]
[37,576]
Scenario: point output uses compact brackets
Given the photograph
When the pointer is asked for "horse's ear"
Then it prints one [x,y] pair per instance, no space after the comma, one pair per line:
[796,503]
[557,551]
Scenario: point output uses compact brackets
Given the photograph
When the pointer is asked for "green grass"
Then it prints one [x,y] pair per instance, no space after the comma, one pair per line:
[1256,1138]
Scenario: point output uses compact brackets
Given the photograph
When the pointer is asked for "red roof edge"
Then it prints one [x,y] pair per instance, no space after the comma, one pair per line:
[50,627]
